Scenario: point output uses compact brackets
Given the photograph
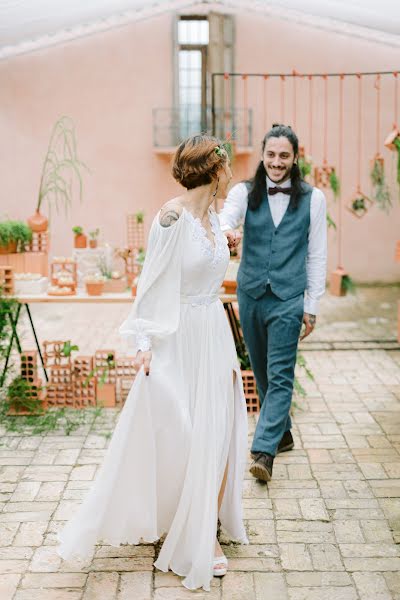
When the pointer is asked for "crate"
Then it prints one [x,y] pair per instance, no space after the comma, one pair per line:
[36,262]
[84,392]
[101,361]
[250,392]
[123,389]
[52,354]
[29,365]
[7,280]
[58,268]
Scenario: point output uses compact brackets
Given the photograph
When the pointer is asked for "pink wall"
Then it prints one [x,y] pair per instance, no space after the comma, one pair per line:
[109,83]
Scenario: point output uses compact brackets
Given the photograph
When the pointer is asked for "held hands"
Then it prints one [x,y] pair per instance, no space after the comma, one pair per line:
[234,238]
[143,359]
[309,322]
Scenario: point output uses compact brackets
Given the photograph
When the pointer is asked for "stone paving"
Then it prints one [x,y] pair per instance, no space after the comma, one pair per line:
[326,527]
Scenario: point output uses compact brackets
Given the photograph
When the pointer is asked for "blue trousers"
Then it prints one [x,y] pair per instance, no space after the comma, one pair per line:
[271,329]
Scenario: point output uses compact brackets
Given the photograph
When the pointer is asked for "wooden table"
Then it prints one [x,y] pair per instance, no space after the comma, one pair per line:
[83,297]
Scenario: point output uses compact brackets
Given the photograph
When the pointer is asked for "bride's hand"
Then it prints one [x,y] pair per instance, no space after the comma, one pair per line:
[234,237]
[143,359]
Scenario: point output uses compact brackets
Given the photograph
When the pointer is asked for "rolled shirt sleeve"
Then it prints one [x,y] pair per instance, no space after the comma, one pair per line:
[316,253]
[234,210]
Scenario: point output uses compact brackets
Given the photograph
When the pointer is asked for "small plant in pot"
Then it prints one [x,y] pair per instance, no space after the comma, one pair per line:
[94,284]
[22,398]
[61,176]
[93,237]
[80,239]
[14,235]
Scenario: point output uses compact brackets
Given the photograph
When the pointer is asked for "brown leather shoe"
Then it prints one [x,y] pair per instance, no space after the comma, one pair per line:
[261,467]
[286,442]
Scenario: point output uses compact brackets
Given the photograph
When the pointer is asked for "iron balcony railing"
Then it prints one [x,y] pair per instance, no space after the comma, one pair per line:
[172,125]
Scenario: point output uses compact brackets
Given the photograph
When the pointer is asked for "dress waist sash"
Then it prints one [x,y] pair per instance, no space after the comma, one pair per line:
[202,300]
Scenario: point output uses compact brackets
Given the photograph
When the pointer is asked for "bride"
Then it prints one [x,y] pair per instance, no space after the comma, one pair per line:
[175,463]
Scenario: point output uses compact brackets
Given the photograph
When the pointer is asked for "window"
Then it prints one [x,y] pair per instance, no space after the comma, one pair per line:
[193,37]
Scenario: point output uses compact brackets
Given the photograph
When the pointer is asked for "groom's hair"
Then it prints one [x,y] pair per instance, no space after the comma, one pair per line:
[257,185]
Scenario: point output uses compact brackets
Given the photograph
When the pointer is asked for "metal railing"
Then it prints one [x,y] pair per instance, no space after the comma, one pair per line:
[172,125]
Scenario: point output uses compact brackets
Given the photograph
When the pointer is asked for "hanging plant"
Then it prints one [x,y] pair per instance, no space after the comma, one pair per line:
[348,284]
[359,204]
[397,146]
[380,190]
[334,183]
[305,165]
[330,221]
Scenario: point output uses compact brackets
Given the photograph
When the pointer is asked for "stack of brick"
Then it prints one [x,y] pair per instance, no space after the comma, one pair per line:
[106,377]
[6,280]
[60,391]
[83,382]
[29,372]
[125,376]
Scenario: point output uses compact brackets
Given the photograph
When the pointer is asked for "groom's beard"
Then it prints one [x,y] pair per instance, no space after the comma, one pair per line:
[281,176]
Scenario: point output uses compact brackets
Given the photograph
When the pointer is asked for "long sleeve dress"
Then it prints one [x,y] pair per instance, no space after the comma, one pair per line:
[181,424]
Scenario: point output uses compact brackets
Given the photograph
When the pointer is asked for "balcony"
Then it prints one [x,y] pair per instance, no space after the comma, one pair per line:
[172,125]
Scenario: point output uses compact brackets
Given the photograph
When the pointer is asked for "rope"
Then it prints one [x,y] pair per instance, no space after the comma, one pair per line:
[396,95]
[227,82]
[282,98]
[325,118]
[359,132]
[340,169]
[265,102]
[245,104]
[310,114]
[378,113]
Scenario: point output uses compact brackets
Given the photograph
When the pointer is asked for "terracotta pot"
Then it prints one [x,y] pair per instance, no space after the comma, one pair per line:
[335,282]
[80,241]
[389,141]
[93,243]
[397,256]
[115,286]
[94,289]
[134,289]
[11,248]
[38,222]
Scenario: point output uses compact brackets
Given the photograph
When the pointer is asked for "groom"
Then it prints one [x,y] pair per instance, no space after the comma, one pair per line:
[280,281]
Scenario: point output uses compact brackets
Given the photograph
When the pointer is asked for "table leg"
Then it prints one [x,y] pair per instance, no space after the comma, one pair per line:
[37,341]
[14,335]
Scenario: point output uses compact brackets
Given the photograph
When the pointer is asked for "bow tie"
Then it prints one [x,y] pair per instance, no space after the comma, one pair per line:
[276,190]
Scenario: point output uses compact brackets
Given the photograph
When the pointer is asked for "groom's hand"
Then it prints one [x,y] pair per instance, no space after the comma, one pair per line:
[234,238]
[309,321]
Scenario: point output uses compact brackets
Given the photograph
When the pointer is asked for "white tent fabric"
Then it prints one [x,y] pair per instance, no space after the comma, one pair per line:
[26,25]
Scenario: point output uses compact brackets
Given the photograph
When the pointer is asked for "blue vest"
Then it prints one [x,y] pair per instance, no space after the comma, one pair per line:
[275,255]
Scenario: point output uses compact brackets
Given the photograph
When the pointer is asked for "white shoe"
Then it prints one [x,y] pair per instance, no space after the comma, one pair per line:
[219,570]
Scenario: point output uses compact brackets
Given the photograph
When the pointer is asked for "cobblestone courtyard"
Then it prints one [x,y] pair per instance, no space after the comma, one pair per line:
[326,527]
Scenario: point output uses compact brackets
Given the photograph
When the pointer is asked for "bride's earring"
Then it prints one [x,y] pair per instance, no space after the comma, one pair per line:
[216,189]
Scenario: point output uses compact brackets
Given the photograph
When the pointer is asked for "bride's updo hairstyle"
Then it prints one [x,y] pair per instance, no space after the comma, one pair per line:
[198,160]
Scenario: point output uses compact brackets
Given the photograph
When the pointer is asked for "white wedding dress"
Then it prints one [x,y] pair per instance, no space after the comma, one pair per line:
[180,425]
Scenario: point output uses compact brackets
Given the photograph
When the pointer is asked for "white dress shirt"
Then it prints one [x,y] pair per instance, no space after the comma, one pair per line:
[233,214]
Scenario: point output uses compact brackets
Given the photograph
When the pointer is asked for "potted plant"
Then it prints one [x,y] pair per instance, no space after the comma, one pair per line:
[334,182]
[80,239]
[305,163]
[14,235]
[93,235]
[61,173]
[94,285]
[341,283]
[24,397]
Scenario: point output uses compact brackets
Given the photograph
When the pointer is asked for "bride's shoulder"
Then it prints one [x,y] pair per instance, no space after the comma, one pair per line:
[170,212]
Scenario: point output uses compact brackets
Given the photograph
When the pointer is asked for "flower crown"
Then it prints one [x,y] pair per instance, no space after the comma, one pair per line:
[220,151]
